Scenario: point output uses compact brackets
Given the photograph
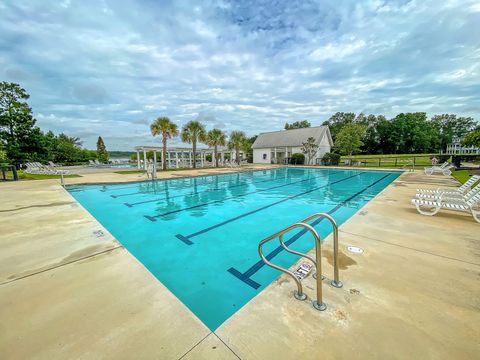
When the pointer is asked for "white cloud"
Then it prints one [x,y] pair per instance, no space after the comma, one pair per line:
[337,52]
[245,65]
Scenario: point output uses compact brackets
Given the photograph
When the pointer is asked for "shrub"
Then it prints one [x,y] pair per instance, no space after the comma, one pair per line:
[331,159]
[297,159]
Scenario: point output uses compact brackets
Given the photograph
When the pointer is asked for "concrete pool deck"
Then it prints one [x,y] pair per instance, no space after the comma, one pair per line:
[70,291]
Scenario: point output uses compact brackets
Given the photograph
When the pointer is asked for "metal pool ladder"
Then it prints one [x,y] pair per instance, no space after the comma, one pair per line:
[317,261]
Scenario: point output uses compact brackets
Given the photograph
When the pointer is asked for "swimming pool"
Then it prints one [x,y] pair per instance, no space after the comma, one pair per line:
[199,235]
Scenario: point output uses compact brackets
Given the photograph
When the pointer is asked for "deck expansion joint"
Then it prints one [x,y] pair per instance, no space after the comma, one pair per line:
[194,346]
[61,265]
[410,248]
[224,343]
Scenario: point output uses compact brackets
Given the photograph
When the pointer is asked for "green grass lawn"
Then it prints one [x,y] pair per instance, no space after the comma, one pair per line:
[461,175]
[125,172]
[388,160]
[22,175]
[385,156]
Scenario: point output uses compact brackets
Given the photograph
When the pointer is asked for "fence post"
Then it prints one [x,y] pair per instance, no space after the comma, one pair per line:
[396,162]
[379,161]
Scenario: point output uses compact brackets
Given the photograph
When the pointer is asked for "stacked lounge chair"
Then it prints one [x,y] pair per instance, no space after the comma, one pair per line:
[449,192]
[457,200]
[37,168]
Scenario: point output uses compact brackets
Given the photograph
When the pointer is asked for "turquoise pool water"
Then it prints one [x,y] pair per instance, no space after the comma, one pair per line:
[199,236]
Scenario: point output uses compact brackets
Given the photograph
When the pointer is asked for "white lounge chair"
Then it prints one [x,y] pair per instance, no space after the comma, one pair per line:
[31,168]
[444,169]
[469,204]
[462,190]
[451,196]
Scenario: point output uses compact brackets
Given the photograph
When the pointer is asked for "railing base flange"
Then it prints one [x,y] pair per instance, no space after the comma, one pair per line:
[319,307]
[337,284]
[298,296]
[315,276]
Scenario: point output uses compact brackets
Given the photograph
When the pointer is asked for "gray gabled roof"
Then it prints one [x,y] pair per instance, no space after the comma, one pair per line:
[293,137]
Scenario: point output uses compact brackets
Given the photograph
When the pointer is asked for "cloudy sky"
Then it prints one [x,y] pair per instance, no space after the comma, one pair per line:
[109,67]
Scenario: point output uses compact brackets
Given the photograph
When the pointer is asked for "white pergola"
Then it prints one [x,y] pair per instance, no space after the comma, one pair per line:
[182,157]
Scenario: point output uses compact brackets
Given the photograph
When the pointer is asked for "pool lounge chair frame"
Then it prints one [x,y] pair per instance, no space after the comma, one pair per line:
[469,204]
[445,169]
[464,189]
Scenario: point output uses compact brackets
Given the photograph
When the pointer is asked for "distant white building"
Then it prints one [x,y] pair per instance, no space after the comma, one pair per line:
[456,148]
[277,147]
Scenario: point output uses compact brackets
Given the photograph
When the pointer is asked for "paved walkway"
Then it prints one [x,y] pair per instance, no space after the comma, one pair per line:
[66,292]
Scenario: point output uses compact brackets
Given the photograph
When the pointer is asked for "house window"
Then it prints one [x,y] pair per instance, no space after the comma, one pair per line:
[264,156]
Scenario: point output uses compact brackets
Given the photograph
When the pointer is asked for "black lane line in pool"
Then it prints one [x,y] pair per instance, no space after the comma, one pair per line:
[165,181]
[246,276]
[198,192]
[153,218]
[186,239]
[171,187]
[176,187]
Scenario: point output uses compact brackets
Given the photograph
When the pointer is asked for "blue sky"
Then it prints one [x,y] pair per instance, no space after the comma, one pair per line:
[100,67]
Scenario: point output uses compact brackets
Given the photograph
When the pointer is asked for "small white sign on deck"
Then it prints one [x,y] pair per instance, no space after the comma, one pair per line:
[303,270]
[355,249]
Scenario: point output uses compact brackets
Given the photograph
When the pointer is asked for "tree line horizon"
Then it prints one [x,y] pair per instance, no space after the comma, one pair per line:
[21,140]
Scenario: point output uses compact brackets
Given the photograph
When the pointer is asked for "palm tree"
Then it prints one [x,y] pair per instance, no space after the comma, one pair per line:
[168,129]
[215,138]
[237,140]
[193,132]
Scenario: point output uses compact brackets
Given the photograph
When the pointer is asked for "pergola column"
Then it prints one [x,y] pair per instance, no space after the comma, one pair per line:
[144,159]
[154,175]
[176,157]
[138,159]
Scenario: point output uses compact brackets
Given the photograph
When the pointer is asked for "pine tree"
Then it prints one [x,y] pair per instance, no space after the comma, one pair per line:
[102,153]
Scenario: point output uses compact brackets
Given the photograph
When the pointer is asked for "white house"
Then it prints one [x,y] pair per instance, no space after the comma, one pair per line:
[278,146]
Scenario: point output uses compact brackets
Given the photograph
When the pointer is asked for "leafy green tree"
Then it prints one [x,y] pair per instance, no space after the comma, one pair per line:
[102,153]
[297,125]
[371,139]
[192,133]
[3,155]
[414,133]
[67,149]
[17,125]
[339,120]
[386,139]
[349,139]
[215,138]
[309,148]
[237,142]
[163,125]
[450,126]
[472,138]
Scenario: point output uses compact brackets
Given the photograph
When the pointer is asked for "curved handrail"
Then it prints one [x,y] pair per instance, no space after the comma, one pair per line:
[336,277]
[287,249]
[318,304]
